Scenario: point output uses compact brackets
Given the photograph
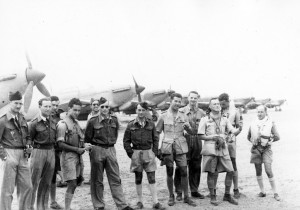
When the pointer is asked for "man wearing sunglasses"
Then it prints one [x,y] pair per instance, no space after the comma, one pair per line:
[141,134]
[102,133]
[95,106]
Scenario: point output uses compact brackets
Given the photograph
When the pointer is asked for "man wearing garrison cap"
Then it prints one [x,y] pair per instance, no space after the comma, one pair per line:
[15,146]
[102,133]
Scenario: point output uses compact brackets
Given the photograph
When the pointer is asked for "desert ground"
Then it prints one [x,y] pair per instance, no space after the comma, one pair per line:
[285,168]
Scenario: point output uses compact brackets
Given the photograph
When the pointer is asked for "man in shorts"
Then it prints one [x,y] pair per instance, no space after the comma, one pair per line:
[142,135]
[216,159]
[174,146]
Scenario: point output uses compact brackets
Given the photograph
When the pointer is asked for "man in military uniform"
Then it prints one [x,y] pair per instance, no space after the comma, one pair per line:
[194,157]
[42,131]
[174,146]
[70,139]
[57,169]
[15,146]
[213,129]
[95,108]
[142,135]
[235,118]
[102,133]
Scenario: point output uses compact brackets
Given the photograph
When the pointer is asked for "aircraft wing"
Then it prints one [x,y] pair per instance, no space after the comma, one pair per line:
[4,110]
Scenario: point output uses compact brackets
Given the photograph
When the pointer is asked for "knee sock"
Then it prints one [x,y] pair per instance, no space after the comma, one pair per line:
[153,191]
[216,175]
[185,187]
[139,191]
[228,182]
[273,185]
[68,200]
[260,183]
[235,180]
[170,184]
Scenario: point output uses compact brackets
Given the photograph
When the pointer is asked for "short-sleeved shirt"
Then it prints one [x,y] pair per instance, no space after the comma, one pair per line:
[10,134]
[70,132]
[173,132]
[194,117]
[209,126]
[42,130]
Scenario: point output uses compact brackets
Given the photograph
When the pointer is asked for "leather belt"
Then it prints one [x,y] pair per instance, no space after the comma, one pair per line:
[43,146]
[103,145]
[13,147]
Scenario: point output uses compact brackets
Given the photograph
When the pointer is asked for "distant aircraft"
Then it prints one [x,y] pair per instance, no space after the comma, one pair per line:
[275,103]
[22,82]
[257,102]
[120,97]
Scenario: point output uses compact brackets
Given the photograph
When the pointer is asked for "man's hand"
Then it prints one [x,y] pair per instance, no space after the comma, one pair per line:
[87,146]
[80,151]
[28,149]
[3,154]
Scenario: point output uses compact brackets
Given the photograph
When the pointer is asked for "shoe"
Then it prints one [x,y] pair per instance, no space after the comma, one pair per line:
[171,201]
[61,184]
[213,200]
[197,195]
[139,205]
[261,195]
[80,179]
[236,193]
[188,201]
[127,208]
[276,196]
[99,208]
[158,206]
[208,195]
[179,197]
[227,197]
[55,205]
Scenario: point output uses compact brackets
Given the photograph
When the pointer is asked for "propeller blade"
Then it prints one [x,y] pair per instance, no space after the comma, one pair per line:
[139,97]
[28,61]
[138,88]
[42,88]
[28,96]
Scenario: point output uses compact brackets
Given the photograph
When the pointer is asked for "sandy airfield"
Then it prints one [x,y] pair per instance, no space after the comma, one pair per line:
[286,174]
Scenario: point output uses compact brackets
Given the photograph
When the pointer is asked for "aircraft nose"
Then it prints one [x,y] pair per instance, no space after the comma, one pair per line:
[34,76]
[139,89]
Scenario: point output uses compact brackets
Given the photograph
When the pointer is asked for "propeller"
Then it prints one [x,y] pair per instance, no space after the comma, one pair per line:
[34,78]
[28,96]
[138,89]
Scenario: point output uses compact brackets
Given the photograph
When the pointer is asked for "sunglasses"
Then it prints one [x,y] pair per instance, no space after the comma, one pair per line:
[95,104]
[102,107]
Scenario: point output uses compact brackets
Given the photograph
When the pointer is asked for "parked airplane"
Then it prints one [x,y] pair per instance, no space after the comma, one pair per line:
[275,103]
[22,82]
[257,102]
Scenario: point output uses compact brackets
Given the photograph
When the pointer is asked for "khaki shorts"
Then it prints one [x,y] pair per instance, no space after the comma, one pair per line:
[259,155]
[232,149]
[168,160]
[217,164]
[70,165]
[143,159]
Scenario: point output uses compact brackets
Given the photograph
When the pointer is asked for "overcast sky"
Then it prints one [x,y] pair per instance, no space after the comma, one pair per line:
[243,47]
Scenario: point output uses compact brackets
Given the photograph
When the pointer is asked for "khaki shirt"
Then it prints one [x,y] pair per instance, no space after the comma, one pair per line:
[194,117]
[10,134]
[41,131]
[173,132]
[208,126]
[70,132]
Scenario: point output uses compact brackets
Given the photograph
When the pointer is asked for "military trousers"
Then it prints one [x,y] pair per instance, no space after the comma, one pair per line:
[42,166]
[194,159]
[105,159]
[16,172]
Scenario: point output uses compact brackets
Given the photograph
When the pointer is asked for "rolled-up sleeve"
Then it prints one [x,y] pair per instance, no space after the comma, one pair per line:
[202,126]
[61,131]
[160,124]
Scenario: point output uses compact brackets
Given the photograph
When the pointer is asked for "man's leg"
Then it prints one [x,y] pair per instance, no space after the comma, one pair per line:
[194,177]
[114,180]
[97,157]
[9,170]
[184,184]
[23,182]
[269,172]
[235,178]
[152,186]
[258,169]
[45,180]
[72,184]
[170,172]
[177,184]
[139,188]
[211,186]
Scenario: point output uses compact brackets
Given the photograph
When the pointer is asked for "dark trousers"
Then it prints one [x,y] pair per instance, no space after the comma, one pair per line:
[194,159]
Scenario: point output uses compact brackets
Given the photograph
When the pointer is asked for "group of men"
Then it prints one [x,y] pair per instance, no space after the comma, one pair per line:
[48,138]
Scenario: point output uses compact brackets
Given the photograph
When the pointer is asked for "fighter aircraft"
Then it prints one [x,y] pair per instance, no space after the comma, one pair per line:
[22,82]
[275,103]
[120,97]
[257,102]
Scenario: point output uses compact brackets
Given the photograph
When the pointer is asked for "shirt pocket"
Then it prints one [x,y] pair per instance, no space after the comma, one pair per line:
[98,130]
[13,133]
